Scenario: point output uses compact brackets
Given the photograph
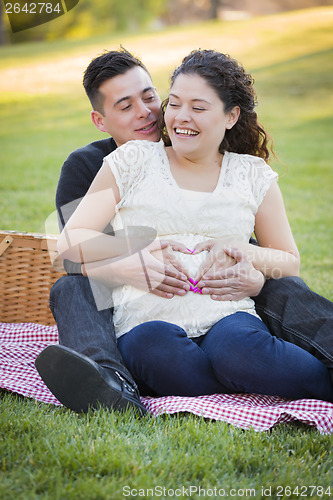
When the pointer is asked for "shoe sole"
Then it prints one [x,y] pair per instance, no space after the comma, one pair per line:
[78,385]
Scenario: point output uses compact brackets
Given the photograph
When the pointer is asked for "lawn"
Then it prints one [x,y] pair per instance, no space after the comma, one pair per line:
[50,453]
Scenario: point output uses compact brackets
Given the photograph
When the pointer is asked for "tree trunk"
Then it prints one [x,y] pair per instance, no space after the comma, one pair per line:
[214,5]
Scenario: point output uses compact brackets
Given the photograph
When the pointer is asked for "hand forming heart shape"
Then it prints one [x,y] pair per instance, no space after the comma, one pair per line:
[192,263]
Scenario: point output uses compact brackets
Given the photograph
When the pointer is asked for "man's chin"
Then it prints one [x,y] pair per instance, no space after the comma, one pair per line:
[153,134]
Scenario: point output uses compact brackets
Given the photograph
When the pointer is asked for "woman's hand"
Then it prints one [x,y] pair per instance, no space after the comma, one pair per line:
[227,273]
[175,281]
[217,259]
[154,269]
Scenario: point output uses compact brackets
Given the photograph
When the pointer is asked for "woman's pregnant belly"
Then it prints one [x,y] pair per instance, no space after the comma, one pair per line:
[194,312]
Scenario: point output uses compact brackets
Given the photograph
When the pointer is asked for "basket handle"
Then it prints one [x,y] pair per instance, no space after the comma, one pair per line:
[6,242]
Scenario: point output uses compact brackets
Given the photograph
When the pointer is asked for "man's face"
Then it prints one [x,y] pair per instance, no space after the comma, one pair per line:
[132,107]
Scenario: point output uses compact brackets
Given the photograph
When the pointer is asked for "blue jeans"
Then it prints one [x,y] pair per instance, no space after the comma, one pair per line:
[81,326]
[237,355]
[289,308]
[295,313]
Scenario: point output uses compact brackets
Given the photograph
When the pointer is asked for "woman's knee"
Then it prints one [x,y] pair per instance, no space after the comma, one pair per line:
[235,342]
[235,332]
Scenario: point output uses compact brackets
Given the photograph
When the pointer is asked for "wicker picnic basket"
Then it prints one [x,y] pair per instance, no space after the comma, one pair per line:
[28,269]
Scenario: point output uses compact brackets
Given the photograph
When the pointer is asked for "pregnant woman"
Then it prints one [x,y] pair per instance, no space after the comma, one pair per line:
[206,185]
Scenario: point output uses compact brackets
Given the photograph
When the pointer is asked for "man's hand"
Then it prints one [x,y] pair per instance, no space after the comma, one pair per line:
[154,269]
[228,274]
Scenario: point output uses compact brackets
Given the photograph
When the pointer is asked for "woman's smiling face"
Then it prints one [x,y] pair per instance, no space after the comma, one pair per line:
[195,118]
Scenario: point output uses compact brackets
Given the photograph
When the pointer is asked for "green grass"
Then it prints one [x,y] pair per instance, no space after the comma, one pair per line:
[45,114]
[55,454]
[51,453]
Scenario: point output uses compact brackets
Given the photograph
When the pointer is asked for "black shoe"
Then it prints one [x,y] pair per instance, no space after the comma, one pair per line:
[80,383]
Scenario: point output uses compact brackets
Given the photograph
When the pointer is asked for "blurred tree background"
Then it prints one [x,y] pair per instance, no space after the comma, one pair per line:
[92,17]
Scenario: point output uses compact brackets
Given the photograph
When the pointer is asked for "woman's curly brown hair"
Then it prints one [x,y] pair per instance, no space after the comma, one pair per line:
[235,88]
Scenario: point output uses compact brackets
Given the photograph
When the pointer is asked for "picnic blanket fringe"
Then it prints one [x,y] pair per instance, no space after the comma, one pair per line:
[20,344]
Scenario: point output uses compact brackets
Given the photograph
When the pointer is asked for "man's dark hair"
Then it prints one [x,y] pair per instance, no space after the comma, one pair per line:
[104,67]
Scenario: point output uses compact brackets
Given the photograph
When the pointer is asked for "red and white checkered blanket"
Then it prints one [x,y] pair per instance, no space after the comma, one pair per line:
[21,343]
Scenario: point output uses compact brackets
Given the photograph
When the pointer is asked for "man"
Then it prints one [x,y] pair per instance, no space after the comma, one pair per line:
[86,369]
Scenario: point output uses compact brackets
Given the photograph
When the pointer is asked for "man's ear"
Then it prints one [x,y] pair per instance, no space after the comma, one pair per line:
[233,117]
[98,120]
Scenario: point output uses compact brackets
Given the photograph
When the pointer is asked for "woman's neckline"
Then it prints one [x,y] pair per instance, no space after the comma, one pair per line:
[193,190]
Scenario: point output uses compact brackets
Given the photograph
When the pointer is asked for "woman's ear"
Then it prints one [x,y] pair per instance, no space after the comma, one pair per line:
[233,117]
[98,120]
